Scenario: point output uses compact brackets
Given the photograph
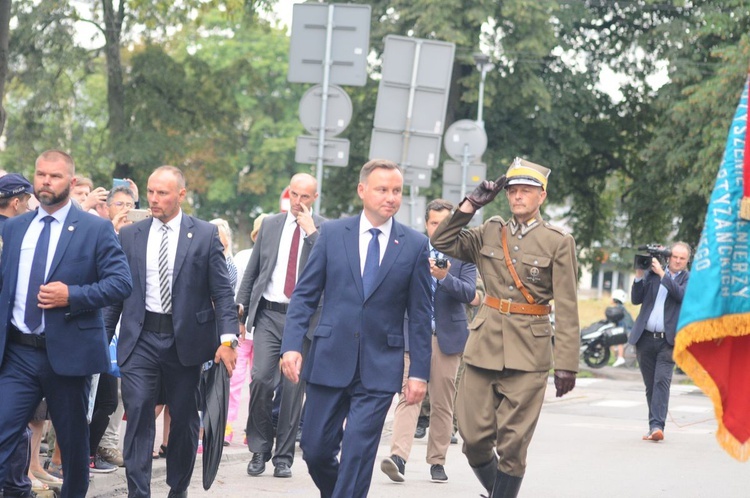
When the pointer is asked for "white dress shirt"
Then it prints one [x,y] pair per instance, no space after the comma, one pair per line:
[365,237]
[28,246]
[275,290]
[153,294]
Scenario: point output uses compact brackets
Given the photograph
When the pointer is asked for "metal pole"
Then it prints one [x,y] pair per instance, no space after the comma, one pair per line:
[413,191]
[480,112]
[465,161]
[324,106]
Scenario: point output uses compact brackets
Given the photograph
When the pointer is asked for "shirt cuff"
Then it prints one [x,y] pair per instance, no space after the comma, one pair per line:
[417,378]
[228,337]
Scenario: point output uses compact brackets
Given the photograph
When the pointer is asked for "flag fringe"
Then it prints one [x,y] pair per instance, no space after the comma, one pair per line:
[737,325]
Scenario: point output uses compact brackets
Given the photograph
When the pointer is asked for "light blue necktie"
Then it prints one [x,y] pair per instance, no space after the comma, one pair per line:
[433,287]
[372,262]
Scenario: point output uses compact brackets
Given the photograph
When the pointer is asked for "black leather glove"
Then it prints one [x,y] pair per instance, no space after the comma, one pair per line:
[485,192]
[565,381]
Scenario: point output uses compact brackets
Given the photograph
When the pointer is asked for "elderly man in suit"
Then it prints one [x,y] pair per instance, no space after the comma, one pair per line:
[453,286]
[181,314]
[660,291]
[60,266]
[525,262]
[280,253]
[376,270]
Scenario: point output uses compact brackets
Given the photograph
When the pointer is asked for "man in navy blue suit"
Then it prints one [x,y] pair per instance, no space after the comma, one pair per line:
[60,266]
[454,286]
[376,269]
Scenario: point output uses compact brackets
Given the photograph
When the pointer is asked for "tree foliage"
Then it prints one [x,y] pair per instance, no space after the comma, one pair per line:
[202,85]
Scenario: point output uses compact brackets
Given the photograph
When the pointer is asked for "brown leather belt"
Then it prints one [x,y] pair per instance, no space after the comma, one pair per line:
[508,307]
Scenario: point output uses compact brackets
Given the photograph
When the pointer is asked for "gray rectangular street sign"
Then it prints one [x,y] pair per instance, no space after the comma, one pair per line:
[335,151]
[427,85]
[423,151]
[417,177]
[452,172]
[349,45]
[412,215]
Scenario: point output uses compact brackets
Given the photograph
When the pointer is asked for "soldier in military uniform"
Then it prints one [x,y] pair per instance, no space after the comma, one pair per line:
[509,351]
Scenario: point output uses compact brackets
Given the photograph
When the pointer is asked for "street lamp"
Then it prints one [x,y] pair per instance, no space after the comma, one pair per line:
[484,66]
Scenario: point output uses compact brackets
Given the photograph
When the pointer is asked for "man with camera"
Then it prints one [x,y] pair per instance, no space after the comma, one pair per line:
[453,285]
[660,292]
[525,263]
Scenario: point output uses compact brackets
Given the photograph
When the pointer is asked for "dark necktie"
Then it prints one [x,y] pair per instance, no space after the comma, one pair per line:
[291,266]
[164,286]
[33,315]
[372,262]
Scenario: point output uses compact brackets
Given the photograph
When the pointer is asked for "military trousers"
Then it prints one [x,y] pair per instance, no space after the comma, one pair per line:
[499,410]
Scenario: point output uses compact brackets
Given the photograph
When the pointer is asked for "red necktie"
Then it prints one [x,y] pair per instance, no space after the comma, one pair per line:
[291,266]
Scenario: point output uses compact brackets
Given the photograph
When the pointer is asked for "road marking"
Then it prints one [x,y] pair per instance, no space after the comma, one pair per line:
[618,403]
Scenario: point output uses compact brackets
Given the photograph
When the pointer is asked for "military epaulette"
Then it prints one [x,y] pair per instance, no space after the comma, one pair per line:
[497,219]
[556,228]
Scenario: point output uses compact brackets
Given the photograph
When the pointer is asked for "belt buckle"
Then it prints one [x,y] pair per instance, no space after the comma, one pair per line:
[504,307]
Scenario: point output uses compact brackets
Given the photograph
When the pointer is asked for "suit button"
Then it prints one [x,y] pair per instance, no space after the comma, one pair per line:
[515,248]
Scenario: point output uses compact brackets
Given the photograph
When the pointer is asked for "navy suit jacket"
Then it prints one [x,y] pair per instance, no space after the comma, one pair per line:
[89,260]
[202,296]
[356,329]
[644,292]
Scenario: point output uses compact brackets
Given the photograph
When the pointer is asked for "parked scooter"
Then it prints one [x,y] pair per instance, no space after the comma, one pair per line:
[597,338]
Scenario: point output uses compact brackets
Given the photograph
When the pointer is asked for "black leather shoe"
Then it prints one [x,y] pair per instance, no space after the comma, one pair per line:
[177,494]
[282,470]
[258,464]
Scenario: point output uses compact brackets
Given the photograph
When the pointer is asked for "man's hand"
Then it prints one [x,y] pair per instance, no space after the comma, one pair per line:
[414,391]
[291,365]
[228,356]
[243,331]
[656,267]
[305,220]
[53,295]
[438,273]
[485,192]
[99,194]
[120,220]
[565,381]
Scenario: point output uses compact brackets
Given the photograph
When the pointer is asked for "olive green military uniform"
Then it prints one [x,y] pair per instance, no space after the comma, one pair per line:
[508,355]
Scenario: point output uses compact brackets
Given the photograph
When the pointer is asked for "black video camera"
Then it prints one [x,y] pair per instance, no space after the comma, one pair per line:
[643,261]
[441,263]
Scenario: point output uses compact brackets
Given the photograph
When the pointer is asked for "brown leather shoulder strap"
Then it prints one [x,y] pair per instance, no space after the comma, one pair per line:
[512,269]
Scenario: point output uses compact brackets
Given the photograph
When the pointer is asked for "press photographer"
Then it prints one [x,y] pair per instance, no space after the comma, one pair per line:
[660,290]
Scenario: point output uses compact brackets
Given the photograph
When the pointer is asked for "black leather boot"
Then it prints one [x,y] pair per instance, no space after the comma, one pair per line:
[506,486]
[486,473]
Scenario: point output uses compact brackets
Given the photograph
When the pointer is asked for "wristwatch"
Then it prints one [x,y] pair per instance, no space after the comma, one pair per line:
[231,344]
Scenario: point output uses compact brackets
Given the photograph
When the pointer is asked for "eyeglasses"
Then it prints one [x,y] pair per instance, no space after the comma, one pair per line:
[121,204]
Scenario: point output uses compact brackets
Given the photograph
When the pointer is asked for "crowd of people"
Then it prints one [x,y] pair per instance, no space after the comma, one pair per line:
[108,316]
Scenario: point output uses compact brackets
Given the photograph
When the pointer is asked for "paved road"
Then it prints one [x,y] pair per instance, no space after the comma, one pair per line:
[587,444]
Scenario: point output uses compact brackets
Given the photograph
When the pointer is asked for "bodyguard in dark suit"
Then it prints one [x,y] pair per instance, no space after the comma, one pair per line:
[181,309]
[453,286]
[60,266]
[279,255]
[377,269]
[660,292]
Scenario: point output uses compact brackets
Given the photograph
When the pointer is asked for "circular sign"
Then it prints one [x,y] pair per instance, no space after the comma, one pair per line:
[338,110]
[465,137]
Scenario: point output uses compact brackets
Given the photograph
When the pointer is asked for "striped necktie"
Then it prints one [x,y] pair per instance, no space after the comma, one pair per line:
[164,285]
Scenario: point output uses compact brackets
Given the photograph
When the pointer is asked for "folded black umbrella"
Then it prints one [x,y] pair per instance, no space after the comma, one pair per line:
[214,420]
